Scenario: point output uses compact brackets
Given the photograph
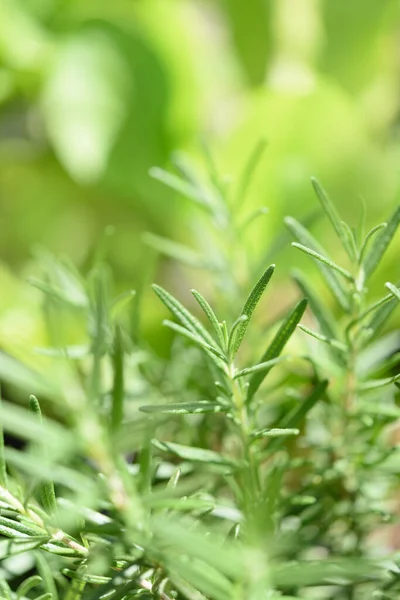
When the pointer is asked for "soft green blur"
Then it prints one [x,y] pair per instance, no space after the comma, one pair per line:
[93,93]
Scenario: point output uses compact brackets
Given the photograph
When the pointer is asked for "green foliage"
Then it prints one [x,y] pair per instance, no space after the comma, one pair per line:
[206,472]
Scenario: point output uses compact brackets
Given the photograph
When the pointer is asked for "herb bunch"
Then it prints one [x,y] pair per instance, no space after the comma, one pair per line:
[238,467]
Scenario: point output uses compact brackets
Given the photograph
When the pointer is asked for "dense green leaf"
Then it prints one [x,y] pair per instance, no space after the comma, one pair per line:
[26,530]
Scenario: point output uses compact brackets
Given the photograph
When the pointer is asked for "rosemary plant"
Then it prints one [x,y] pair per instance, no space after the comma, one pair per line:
[235,468]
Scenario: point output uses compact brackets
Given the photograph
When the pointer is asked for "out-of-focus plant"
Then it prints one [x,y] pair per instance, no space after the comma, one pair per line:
[196,476]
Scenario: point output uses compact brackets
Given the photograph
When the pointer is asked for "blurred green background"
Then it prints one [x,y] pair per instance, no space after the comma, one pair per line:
[93,93]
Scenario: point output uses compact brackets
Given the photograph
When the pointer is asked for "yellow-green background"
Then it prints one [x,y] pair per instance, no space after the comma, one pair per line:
[93,93]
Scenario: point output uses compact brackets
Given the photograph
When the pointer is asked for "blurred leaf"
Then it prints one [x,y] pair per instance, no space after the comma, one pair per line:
[274,432]
[27,585]
[179,252]
[193,454]
[380,243]
[307,240]
[184,188]
[185,408]
[323,259]
[298,413]
[253,50]
[374,384]
[277,345]
[322,338]
[333,216]
[196,339]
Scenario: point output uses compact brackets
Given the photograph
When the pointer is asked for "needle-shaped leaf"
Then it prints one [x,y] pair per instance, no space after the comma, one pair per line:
[178,252]
[196,339]
[191,453]
[395,291]
[263,210]
[349,235]
[324,317]
[47,576]
[184,408]
[278,343]
[296,416]
[47,492]
[264,366]
[118,392]
[274,432]
[376,306]
[27,585]
[248,308]
[182,314]
[11,547]
[5,590]
[17,529]
[380,316]
[54,292]
[3,466]
[333,216]
[45,596]
[120,303]
[327,261]
[210,314]
[249,170]
[333,282]
[368,238]
[177,184]
[380,244]
[232,334]
[378,383]
[323,338]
